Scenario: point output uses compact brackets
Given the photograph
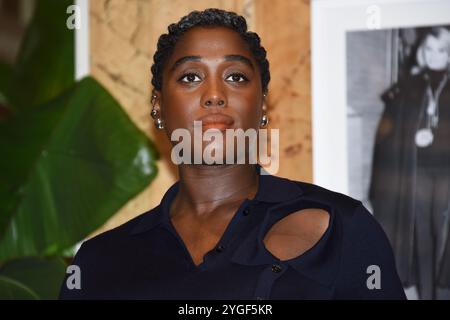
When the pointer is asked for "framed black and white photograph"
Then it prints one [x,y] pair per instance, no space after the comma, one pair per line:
[381,91]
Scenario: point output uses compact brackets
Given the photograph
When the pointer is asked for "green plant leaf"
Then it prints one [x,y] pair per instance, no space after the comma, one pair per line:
[11,289]
[45,64]
[66,167]
[42,276]
[5,76]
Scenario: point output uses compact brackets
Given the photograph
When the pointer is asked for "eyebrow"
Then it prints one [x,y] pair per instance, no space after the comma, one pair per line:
[184,60]
[238,57]
[229,57]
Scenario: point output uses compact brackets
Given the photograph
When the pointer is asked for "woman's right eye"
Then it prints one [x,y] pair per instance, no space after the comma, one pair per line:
[189,77]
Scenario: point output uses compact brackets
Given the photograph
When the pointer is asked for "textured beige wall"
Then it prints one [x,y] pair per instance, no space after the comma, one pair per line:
[123,39]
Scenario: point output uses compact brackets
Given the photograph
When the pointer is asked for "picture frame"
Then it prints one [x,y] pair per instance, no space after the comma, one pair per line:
[358,61]
[331,20]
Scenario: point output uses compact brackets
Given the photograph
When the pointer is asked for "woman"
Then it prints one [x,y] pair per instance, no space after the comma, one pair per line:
[228,231]
[410,189]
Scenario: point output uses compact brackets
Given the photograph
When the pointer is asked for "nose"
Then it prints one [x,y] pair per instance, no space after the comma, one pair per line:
[214,96]
[214,101]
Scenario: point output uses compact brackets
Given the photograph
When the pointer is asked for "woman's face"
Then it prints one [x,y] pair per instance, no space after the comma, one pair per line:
[435,53]
[211,71]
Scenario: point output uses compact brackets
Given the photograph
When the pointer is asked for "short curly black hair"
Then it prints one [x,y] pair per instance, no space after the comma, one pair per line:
[208,17]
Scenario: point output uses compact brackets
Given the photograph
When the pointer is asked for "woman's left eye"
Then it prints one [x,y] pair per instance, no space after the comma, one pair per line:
[236,77]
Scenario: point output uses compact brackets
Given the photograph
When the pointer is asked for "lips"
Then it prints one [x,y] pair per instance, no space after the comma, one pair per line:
[217,121]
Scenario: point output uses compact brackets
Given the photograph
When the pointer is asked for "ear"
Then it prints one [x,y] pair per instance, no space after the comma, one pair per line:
[155,99]
[264,101]
[420,57]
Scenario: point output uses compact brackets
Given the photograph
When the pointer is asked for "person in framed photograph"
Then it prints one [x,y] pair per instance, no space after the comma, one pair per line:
[229,231]
[410,189]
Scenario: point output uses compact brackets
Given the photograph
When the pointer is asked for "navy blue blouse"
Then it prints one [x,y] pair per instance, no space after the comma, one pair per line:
[145,258]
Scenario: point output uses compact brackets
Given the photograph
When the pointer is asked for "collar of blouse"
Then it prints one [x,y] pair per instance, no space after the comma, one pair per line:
[283,196]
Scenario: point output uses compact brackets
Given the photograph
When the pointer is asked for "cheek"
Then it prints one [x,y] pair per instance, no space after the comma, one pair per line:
[438,62]
[436,57]
[178,111]
[444,57]
[247,110]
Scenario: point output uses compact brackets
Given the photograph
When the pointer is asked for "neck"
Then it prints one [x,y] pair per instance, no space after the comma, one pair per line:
[204,188]
[436,72]
[435,77]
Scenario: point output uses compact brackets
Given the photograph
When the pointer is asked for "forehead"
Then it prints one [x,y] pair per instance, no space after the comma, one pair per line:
[210,42]
[435,41]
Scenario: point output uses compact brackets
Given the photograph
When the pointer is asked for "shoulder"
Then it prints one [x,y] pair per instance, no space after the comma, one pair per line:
[403,86]
[352,214]
[368,268]
[342,203]
[106,256]
[362,246]
[110,255]
[349,217]
[293,195]
[355,226]
[113,241]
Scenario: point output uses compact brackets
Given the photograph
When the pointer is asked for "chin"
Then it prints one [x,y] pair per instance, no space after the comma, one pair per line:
[437,66]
